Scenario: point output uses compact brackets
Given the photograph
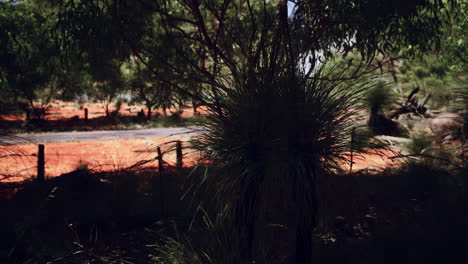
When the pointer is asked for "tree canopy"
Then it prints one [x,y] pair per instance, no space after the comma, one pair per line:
[190,45]
[28,50]
[213,38]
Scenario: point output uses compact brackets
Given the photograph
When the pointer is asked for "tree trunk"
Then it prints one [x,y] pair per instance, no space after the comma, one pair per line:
[283,13]
[107,110]
[164,110]
[148,114]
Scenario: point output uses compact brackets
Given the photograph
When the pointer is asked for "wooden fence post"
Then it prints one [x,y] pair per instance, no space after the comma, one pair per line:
[40,164]
[161,185]
[86,114]
[160,160]
[179,154]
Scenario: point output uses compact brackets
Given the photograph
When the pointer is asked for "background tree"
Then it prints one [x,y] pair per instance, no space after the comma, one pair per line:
[31,68]
[147,89]
[442,73]
[107,83]
[27,55]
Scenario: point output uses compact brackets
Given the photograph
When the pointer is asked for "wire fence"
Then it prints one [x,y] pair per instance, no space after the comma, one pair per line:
[39,161]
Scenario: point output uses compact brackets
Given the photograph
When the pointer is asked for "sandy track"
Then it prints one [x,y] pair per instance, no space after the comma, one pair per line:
[82,136]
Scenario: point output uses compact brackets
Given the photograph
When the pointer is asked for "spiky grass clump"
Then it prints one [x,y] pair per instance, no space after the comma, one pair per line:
[380,97]
[275,132]
[309,116]
[421,143]
[207,243]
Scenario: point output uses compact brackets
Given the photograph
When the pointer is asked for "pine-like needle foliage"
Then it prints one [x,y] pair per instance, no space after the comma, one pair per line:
[275,132]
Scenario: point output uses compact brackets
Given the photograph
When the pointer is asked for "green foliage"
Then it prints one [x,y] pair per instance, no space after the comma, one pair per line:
[30,67]
[421,143]
[434,77]
[148,88]
[380,97]
[26,57]
[425,151]
[371,26]
[218,245]
[107,83]
[442,73]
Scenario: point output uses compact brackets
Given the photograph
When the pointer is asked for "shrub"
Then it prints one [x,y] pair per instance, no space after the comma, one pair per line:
[380,97]
[421,143]
[276,132]
[177,115]
[82,165]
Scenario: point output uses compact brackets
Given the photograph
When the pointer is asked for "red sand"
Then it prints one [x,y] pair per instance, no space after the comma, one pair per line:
[118,154]
[373,161]
[64,110]
[97,155]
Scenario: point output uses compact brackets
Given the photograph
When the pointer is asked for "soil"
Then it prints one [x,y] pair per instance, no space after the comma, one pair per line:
[59,110]
[113,155]
[107,155]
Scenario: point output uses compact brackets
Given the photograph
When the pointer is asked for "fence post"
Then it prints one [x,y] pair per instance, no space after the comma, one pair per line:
[161,185]
[86,114]
[160,160]
[179,163]
[40,164]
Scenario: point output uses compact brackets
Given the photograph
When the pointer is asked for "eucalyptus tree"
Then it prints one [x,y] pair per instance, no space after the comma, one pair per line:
[30,66]
[147,89]
[278,121]
[441,73]
[107,82]
[27,54]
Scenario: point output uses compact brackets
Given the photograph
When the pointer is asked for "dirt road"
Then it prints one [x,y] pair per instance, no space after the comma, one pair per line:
[81,136]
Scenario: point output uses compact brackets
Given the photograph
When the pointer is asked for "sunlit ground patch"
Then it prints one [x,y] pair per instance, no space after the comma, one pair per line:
[107,155]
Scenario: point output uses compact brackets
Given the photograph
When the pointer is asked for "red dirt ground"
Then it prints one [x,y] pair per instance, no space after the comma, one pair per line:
[373,161]
[118,154]
[64,110]
[97,155]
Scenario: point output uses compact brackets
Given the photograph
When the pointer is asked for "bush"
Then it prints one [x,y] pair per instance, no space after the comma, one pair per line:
[276,132]
[177,115]
[82,165]
[421,143]
[380,97]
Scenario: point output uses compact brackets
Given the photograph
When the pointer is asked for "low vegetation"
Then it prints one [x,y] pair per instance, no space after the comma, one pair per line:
[119,217]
